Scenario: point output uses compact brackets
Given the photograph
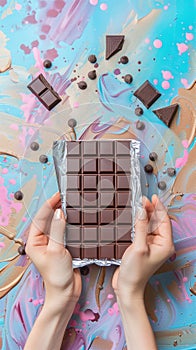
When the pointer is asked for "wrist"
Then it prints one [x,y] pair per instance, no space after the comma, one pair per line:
[129,297]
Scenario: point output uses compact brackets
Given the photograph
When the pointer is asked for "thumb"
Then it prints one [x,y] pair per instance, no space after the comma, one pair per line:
[141,228]
[57,230]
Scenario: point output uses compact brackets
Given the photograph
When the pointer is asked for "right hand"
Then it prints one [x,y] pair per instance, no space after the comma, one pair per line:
[152,246]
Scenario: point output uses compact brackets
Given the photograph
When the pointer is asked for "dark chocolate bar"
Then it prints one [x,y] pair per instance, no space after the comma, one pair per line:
[41,88]
[98,198]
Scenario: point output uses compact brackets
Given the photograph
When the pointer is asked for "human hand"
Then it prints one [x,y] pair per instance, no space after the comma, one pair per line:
[152,246]
[45,247]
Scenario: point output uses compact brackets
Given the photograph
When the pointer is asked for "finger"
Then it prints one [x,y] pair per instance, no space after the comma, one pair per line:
[57,231]
[147,204]
[42,220]
[163,221]
[141,229]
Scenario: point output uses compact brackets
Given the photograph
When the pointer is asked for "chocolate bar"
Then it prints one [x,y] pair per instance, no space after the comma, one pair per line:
[98,198]
[41,88]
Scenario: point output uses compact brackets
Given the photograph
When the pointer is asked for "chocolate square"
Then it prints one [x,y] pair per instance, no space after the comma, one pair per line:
[147,94]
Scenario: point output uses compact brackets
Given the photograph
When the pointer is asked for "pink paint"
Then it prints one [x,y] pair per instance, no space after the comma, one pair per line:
[147,40]
[166,7]
[38,61]
[93,2]
[35,302]
[182,48]
[165,85]
[184,82]
[59,4]
[103,6]
[51,54]
[190,27]
[117,71]
[167,74]
[24,219]
[155,81]
[6,205]
[31,131]
[110,296]
[157,43]
[52,13]
[185,279]
[86,315]
[18,7]
[4,171]
[30,19]
[189,36]
[35,43]
[26,49]
[115,307]
[12,181]
[168,300]
[111,311]
[182,161]
[75,104]
[3,3]
[73,323]
[14,126]
[2,245]
[15,165]
[185,143]
[29,102]
[45,28]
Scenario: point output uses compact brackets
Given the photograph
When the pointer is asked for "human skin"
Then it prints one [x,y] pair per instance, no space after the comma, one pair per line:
[152,245]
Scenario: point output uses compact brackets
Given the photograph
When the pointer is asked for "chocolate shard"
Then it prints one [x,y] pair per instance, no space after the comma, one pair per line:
[114,44]
[166,114]
[45,93]
[147,94]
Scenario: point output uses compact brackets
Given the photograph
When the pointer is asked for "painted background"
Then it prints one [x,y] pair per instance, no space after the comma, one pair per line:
[160,44]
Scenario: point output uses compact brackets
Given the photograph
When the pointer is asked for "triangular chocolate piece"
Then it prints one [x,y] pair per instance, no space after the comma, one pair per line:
[114,43]
[166,114]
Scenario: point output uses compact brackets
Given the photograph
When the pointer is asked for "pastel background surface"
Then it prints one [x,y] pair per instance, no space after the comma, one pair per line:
[160,44]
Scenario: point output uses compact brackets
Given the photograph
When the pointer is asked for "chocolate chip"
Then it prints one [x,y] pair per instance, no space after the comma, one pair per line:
[18,195]
[72,123]
[139,111]
[21,250]
[92,59]
[140,125]
[128,78]
[34,146]
[162,185]
[43,158]
[124,60]
[92,74]
[171,171]
[153,156]
[47,64]
[148,168]
[84,270]
[82,85]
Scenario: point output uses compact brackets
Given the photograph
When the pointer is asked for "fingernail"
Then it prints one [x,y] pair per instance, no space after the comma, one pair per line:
[141,214]
[55,194]
[58,214]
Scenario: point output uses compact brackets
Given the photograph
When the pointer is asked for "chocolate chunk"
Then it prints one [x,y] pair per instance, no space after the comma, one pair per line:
[92,59]
[43,159]
[139,111]
[21,250]
[18,195]
[92,74]
[34,146]
[162,185]
[148,168]
[72,123]
[147,94]
[153,156]
[140,125]
[47,64]
[128,78]
[41,88]
[82,85]
[171,171]
[98,198]
[84,270]
[114,44]
[167,114]
[124,60]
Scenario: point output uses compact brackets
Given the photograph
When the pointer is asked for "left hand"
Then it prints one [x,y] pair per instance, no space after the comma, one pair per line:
[45,247]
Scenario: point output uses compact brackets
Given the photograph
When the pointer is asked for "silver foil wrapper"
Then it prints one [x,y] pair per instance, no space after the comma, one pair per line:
[60,162]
